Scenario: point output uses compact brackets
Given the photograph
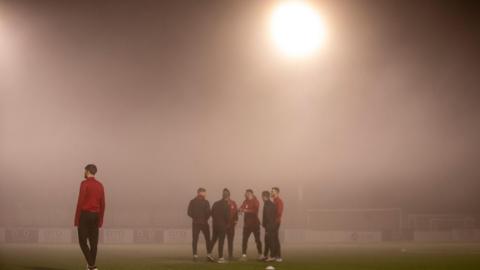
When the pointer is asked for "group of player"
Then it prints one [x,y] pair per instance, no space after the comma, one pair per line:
[224,214]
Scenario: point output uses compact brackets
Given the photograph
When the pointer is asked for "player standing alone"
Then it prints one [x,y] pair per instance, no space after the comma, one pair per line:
[89,214]
[277,254]
[251,223]
[199,211]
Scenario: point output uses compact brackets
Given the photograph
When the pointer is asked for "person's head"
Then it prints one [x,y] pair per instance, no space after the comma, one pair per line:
[201,192]
[265,196]
[226,194]
[275,192]
[248,194]
[90,170]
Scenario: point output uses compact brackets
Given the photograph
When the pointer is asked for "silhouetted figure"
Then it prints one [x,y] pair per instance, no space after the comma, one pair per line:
[232,222]
[221,218]
[251,223]
[276,251]
[89,214]
[268,223]
[199,211]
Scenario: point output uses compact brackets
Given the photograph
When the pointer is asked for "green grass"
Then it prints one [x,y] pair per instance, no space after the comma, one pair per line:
[338,257]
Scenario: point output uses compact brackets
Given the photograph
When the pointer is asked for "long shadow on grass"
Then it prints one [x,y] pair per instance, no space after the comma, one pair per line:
[41,268]
[175,260]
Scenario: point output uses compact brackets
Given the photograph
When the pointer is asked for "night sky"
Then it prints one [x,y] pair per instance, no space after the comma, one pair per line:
[167,96]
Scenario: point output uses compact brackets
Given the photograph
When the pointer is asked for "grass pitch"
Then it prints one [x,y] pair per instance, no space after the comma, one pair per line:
[394,256]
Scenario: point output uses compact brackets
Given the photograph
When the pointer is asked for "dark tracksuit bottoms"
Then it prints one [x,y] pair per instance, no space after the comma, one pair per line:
[196,229]
[88,231]
[268,222]
[199,211]
[276,249]
[230,237]
[219,234]
[256,234]
[220,216]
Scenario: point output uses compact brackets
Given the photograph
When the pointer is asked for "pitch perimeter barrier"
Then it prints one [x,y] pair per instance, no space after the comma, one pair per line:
[180,236]
[342,236]
[2,235]
[118,236]
[184,236]
[148,236]
[55,236]
[21,235]
[447,236]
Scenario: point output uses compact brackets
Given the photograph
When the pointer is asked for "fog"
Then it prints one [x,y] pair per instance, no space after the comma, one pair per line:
[165,97]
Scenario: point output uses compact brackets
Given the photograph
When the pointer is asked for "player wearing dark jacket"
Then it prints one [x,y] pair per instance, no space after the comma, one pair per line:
[276,251]
[268,223]
[221,218]
[232,222]
[199,211]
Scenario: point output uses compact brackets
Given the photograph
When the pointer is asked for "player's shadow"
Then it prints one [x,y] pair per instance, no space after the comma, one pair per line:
[41,268]
[175,259]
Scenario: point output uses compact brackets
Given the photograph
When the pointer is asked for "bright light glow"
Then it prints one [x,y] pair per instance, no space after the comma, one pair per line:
[296,28]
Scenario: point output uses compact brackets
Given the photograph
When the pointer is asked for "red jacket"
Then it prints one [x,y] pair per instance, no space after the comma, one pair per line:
[279,206]
[233,218]
[250,210]
[91,199]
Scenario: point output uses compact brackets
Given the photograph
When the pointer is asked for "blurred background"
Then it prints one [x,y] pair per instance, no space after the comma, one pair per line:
[168,96]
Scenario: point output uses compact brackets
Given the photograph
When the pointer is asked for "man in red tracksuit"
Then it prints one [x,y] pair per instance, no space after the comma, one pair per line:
[233,219]
[89,214]
[251,224]
[276,250]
